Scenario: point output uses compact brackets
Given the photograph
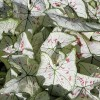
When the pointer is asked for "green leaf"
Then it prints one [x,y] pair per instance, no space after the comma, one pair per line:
[42,96]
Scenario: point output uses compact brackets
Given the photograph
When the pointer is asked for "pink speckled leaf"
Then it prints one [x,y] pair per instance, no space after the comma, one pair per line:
[83,85]
[79,7]
[24,45]
[56,39]
[63,74]
[58,3]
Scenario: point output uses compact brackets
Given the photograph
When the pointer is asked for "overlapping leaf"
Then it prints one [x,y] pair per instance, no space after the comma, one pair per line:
[63,74]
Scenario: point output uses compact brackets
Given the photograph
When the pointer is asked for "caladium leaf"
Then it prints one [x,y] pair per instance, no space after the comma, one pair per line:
[88,34]
[1,3]
[61,74]
[98,11]
[91,11]
[5,9]
[6,46]
[85,48]
[96,36]
[73,23]
[42,96]
[87,68]
[8,97]
[35,7]
[55,39]
[8,25]
[84,84]
[11,74]
[24,64]
[7,43]
[26,84]
[21,45]
[28,11]
[58,3]
[24,45]
[79,7]
[39,38]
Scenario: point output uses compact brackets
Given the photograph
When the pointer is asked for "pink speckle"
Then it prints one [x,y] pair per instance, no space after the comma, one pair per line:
[67,72]
[37,8]
[61,78]
[79,55]
[98,32]
[55,40]
[49,40]
[67,59]
[69,78]
[79,42]
[57,4]
[49,75]
[22,45]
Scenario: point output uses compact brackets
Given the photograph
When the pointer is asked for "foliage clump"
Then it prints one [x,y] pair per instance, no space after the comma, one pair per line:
[50,49]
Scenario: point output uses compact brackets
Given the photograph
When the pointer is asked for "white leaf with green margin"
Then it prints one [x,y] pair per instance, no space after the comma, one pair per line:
[9,49]
[79,7]
[88,34]
[36,7]
[96,36]
[1,3]
[11,74]
[24,45]
[26,84]
[91,11]
[55,39]
[24,64]
[6,43]
[63,74]
[98,12]
[86,48]
[73,23]
[29,13]
[59,3]
[84,84]
[8,25]
[38,39]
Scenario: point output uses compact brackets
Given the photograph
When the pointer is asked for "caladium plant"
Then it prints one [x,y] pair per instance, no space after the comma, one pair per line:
[50,49]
